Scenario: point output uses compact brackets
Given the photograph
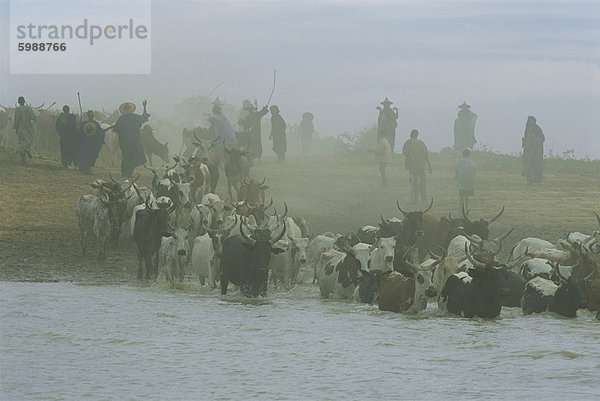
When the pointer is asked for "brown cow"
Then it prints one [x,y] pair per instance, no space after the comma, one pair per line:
[437,232]
[252,191]
[237,168]
[152,146]
[592,289]
[396,292]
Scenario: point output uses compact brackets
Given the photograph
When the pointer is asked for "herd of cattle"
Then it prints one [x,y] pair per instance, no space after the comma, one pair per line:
[399,264]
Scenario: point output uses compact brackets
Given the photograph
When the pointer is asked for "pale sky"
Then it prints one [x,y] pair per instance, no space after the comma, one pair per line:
[340,59]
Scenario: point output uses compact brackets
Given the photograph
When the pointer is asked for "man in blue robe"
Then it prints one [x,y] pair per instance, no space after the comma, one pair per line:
[128,128]
[66,126]
[92,138]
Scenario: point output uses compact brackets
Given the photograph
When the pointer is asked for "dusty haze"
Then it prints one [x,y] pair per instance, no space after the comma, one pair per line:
[339,59]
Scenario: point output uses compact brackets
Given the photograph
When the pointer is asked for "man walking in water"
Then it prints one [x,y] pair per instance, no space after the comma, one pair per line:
[416,157]
[23,124]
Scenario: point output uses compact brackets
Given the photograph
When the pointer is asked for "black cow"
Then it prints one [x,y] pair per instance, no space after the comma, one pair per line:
[245,260]
[409,233]
[541,295]
[150,225]
[514,284]
[367,287]
[477,292]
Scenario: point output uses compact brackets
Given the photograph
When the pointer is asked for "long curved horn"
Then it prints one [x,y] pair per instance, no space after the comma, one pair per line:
[4,107]
[503,237]
[430,206]
[252,241]
[591,274]
[399,208]
[597,217]
[285,212]
[215,141]
[496,216]
[40,106]
[465,214]
[450,215]
[280,236]
[589,239]
[150,168]
[269,205]
[232,225]
[48,108]
[226,147]
[439,258]
[474,261]
[382,219]
[113,180]
[265,179]
[471,238]
[556,268]
[412,265]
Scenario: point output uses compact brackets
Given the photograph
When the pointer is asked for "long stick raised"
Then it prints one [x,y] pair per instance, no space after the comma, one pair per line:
[273,89]
[80,109]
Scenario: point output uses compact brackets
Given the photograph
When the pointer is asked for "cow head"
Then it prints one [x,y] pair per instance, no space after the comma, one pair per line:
[422,275]
[570,294]
[299,248]
[413,221]
[180,239]
[368,286]
[387,247]
[489,275]
[205,150]
[485,250]
[183,191]
[236,157]
[252,191]
[481,227]
[219,235]
[443,267]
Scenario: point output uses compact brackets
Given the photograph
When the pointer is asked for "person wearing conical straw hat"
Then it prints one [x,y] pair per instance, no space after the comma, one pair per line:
[464,128]
[91,136]
[130,141]
[387,122]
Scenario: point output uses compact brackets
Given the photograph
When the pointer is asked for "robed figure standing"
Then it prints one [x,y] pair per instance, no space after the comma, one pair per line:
[278,127]
[23,125]
[533,152]
[250,121]
[464,128]
[387,122]
[130,140]
[68,131]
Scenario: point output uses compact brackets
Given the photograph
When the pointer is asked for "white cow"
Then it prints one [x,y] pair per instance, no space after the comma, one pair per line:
[200,216]
[443,267]
[93,217]
[217,208]
[337,273]
[382,254]
[317,246]
[531,247]
[173,255]
[206,253]
[285,266]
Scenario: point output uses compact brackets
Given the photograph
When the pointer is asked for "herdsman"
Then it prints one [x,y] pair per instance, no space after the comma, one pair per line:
[464,128]
[128,128]
[68,131]
[387,122]
[251,136]
[91,137]
[533,152]
[23,125]
[416,157]
[306,130]
[278,127]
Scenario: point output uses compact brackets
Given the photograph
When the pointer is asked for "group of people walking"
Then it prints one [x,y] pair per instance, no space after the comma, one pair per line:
[416,158]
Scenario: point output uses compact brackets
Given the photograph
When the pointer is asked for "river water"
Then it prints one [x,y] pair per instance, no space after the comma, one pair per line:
[66,341]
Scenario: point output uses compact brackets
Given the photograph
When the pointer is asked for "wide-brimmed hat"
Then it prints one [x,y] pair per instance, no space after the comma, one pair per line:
[127,108]
[464,106]
[90,128]
[307,116]
[387,101]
